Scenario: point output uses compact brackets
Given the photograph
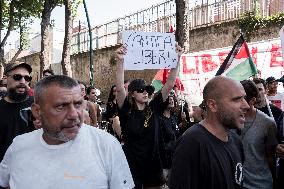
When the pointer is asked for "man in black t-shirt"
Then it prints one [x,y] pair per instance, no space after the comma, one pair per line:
[15,116]
[209,155]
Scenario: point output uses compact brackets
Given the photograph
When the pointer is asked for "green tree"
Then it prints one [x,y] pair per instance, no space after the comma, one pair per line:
[14,15]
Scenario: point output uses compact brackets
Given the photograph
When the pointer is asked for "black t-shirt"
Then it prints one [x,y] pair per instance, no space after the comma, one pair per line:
[12,122]
[202,161]
[276,112]
[278,118]
[140,139]
[170,133]
[111,110]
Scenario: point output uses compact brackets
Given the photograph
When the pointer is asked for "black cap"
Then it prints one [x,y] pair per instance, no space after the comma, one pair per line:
[270,80]
[138,84]
[13,65]
[281,79]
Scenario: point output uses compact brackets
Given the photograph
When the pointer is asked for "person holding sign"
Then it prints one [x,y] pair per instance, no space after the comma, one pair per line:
[139,124]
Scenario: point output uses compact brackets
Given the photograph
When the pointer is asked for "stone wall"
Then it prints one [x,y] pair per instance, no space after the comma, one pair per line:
[104,72]
[210,37]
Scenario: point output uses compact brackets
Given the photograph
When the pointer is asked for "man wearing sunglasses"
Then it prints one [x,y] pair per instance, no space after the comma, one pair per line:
[14,106]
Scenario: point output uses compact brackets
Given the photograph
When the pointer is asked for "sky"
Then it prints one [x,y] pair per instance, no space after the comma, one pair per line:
[100,12]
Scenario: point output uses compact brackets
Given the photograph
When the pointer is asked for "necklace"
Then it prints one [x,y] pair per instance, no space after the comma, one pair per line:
[147,117]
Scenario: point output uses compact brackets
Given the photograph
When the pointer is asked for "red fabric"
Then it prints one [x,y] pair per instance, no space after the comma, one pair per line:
[162,76]
[165,76]
[243,53]
[171,29]
[31,92]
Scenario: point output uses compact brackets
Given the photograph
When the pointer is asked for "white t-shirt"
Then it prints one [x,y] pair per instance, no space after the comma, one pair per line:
[93,160]
[277,100]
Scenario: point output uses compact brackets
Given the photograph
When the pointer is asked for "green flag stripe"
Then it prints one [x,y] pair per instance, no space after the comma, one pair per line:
[157,84]
[243,71]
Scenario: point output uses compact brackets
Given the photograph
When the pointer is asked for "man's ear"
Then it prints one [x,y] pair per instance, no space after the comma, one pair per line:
[252,101]
[36,111]
[212,105]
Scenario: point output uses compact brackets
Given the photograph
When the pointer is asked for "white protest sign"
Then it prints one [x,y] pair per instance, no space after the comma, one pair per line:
[149,50]
[282,40]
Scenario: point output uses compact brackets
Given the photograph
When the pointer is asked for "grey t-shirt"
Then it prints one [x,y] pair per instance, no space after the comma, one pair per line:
[256,135]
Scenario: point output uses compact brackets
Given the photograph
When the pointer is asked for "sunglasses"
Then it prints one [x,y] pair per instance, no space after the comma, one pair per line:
[141,90]
[18,77]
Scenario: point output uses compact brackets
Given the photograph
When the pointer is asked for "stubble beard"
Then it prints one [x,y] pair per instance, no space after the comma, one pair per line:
[226,119]
[262,103]
[58,136]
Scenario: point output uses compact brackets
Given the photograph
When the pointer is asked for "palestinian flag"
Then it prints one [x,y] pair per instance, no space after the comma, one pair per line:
[161,78]
[238,65]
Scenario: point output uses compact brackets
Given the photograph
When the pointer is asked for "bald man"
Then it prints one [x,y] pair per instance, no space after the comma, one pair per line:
[209,155]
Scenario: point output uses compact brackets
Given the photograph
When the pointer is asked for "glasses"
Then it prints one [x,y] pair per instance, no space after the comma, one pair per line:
[141,90]
[18,77]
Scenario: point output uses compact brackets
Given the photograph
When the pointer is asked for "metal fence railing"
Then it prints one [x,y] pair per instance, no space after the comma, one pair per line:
[161,17]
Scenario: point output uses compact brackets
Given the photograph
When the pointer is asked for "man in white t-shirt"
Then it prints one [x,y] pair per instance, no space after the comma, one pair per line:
[65,153]
[273,96]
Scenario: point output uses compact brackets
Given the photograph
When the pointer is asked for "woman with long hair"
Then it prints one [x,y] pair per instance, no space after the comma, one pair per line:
[170,131]
[112,114]
[139,124]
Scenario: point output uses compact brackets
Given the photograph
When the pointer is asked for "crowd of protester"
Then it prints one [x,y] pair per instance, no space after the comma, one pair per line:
[57,135]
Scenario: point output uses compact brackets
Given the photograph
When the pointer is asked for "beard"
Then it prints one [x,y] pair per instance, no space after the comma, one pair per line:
[226,120]
[57,135]
[17,97]
[225,117]
[262,101]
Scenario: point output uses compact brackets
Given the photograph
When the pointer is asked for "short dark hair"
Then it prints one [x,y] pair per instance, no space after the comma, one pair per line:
[260,81]
[89,89]
[251,90]
[59,80]
[270,80]
[48,71]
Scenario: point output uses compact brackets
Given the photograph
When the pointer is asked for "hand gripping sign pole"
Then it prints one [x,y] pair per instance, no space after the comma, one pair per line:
[91,46]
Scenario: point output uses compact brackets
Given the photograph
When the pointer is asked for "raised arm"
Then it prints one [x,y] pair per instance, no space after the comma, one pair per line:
[120,90]
[172,76]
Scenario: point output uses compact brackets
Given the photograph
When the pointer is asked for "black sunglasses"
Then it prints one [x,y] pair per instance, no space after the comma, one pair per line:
[141,90]
[18,77]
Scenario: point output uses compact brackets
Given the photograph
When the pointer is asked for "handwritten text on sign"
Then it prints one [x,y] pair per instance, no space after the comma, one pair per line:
[149,50]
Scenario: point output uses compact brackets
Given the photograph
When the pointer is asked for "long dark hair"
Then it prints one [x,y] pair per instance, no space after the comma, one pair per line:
[165,104]
[111,96]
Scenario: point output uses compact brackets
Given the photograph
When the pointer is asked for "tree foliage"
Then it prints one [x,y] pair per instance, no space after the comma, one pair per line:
[16,15]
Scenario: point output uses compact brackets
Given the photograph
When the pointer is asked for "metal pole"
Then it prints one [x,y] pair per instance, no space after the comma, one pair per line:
[91,46]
